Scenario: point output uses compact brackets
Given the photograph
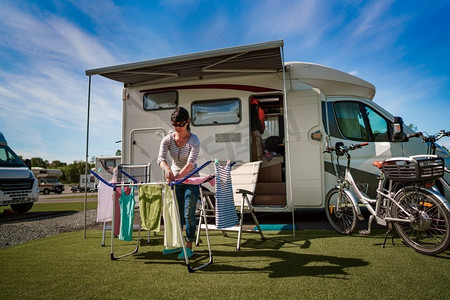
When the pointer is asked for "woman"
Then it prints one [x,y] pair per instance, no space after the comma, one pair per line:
[183,147]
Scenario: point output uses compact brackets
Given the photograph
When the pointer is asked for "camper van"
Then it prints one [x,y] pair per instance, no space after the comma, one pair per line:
[105,165]
[18,187]
[84,184]
[306,107]
[48,180]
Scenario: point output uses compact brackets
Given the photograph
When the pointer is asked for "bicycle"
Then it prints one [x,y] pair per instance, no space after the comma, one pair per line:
[420,216]
[431,150]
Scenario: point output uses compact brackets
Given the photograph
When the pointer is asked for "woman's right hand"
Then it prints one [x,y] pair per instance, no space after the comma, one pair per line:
[169,176]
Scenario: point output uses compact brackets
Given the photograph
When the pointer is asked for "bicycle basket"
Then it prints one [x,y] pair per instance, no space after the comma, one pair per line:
[419,168]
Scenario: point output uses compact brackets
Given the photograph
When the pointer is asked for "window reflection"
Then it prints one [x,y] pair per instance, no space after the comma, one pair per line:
[216,112]
[160,100]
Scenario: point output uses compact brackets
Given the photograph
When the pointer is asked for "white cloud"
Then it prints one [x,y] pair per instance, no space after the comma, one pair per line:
[44,94]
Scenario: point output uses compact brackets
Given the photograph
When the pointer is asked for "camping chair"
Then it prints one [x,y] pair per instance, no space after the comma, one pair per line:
[244,177]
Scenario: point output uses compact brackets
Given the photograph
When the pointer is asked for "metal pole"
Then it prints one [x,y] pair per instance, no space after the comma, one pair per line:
[87,156]
[288,144]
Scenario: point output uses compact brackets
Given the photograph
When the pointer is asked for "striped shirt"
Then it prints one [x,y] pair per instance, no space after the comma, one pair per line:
[181,156]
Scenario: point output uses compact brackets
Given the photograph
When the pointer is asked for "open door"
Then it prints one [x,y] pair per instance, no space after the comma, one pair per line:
[305,154]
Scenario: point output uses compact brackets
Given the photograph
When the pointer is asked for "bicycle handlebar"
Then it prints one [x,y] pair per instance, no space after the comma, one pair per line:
[341,149]
[416,134]
[431,138]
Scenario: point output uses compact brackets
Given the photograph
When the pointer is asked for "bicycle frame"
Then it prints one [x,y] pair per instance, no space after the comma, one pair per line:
[431,149]
[420,215]
[444,182]
[364,199]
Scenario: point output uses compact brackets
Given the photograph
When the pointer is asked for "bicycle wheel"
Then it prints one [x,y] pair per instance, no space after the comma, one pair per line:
[342,217]
[428,227]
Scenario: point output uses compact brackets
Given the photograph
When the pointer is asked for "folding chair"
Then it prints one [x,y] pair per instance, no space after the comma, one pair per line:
[244,177]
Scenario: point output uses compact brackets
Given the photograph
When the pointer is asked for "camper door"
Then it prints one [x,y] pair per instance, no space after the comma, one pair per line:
[305,159]
[144,148]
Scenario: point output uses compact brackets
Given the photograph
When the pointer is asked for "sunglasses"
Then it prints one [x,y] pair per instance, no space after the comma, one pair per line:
[179,124]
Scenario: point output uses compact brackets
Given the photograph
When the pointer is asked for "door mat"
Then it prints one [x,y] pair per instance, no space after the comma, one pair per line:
[275,227]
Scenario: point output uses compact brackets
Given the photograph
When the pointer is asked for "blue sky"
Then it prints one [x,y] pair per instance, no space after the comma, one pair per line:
[399,46]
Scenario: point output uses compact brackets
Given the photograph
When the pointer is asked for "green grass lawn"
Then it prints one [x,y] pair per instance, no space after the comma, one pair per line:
[58,206]
[317,264]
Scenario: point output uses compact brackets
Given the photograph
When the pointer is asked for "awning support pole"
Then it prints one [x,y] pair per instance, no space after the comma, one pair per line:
[87,155]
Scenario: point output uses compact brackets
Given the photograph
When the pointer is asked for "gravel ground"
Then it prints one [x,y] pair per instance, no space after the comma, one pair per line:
[22,232]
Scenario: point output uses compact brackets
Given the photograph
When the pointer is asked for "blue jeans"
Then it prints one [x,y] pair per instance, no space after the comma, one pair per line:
[187,197]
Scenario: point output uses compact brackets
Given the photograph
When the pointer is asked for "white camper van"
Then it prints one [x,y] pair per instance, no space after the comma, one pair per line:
[18,187]
[306,106]
[104,166]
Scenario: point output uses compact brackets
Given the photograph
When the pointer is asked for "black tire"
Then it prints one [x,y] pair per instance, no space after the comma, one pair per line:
[22,207]
[344,219]
[58,192]
[429,231]
[46,191]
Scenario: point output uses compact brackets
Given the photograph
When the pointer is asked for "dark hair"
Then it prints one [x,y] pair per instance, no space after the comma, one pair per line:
[180,114]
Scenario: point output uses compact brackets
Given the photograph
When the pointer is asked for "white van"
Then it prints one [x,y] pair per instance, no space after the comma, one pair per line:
[18,187]
[306,106]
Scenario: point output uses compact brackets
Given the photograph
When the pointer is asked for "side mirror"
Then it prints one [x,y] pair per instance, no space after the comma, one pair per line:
[337,148]
[397,130]
[27,163]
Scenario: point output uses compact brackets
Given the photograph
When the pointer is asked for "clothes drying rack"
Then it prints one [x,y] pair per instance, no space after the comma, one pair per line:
[143,175]
[178,221]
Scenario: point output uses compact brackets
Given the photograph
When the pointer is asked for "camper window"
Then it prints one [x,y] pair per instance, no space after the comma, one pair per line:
[110,163]
[378,126]
[160,100]
[359,122]
[216,112]
[8,158]
[351,121]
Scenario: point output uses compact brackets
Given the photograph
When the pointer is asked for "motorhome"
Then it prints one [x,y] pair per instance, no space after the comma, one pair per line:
[48,180]
[18,187]
[306,106]
[105,165]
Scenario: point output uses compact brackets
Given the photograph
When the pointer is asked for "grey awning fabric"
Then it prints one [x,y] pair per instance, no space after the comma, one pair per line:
[255,58]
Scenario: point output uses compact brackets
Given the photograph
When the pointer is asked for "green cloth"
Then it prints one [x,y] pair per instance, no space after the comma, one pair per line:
[150,206]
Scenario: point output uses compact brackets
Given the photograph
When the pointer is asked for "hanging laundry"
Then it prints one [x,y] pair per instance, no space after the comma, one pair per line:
[127,203]
[226,215]
[117,195]
[150,199]
[105,203]
[171,220]
[200,180]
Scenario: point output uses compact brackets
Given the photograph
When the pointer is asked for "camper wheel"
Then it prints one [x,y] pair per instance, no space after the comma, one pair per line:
[46,191]
[22,207]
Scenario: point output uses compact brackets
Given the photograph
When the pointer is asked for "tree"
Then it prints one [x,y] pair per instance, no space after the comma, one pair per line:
[413,127]
[57,164]
[73,171]
[118,153]
[39,162]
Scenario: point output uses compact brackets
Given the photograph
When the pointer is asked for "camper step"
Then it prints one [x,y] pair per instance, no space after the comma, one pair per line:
[270,188]
[270,200]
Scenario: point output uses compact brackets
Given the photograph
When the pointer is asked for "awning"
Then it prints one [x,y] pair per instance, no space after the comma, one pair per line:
[243,60]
